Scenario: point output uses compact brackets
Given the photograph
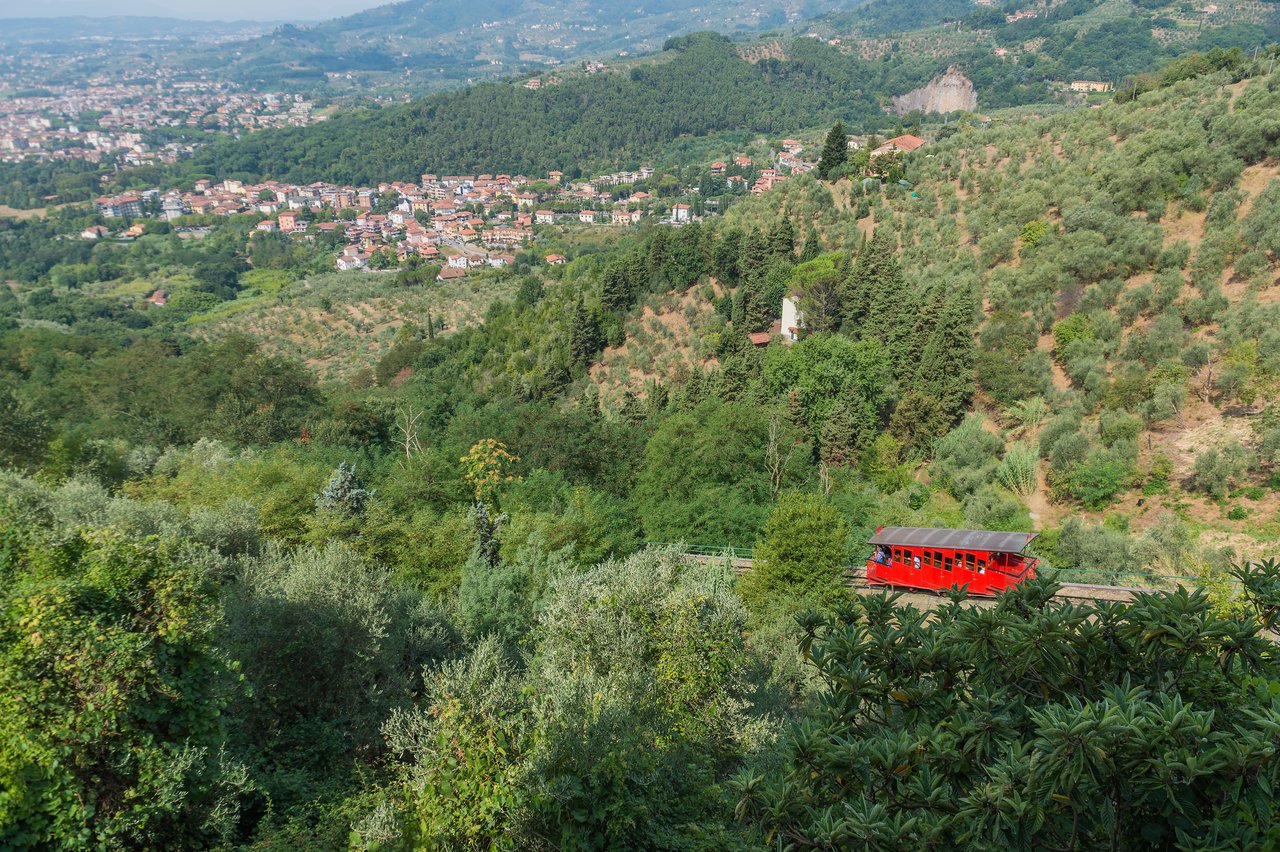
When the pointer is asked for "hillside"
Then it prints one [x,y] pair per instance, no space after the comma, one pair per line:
[1128,295]
[703,84]
[700,86]
[340,325]
[438,43]
[331,579]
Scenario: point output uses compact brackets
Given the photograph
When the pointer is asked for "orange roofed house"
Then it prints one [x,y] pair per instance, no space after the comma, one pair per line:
[905,144]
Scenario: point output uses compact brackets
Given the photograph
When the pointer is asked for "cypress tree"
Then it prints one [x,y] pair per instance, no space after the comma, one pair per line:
[758,307]
[754,255]
[875,290]
[885,287]
[782,239]
[812,248]
[632,409]
[835,152]
[638,278]
[658,254]
[615,291]
[584,335]
[725,255]
[945,364]
[848,431]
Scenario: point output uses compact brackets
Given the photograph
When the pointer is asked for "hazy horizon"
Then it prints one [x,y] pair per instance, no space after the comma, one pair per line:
[193,10]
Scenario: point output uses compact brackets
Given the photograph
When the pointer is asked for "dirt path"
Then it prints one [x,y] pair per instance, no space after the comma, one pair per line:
[1253,180]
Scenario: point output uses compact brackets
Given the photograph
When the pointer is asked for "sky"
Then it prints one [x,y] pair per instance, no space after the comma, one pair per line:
[201,10]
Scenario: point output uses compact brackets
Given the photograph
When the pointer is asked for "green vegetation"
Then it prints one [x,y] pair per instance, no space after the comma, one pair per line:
[1019,726]
[252,602]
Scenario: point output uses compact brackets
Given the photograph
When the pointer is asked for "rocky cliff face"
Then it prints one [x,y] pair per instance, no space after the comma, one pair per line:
[947,92]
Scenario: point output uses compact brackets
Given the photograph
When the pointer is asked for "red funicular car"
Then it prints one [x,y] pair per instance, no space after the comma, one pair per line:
[937,559]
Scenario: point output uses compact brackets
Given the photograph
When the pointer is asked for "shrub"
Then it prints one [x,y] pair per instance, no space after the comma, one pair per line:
[966,457]
[1074,328]
[1217,468]
[799,555]
[1097,713]
[1099,478]
[633,710]
[1017,471]
[1157,481]
[110,696]
[1116,426]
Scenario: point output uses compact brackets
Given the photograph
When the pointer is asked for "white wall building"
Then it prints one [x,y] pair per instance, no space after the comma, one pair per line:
[792,319]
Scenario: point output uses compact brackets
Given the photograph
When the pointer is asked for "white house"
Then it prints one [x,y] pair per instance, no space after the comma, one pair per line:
[792,319]
[351,261]
[680,213]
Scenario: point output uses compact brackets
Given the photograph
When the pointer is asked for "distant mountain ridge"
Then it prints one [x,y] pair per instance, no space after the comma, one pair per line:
[39,30]
[442,40]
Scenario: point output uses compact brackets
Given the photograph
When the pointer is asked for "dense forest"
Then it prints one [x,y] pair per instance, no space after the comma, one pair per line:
[429,605]
[701,86]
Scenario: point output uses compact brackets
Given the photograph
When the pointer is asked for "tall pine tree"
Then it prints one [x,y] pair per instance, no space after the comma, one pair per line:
[782,239]
[812,248]
[946,362]
[835,152]
[874,295]
[754,255]
[615,291]
[584,335]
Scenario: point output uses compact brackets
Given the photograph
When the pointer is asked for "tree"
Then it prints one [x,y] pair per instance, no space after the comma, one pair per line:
[782,239]
[344,494]
[916,421]
[486,467]
[584,335]
[835,152]
[1109,697]
[799,554]
[616,292]
[812,247]
[846,433]
[635,707]
[888,301]
[944,369]
[330,645]
[706,477]
[25,434]
[827,370]
[754,255]
[110,695]
[874,292]
[817,284]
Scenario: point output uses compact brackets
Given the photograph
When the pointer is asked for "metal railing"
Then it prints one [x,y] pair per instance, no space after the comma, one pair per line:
[726,551]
